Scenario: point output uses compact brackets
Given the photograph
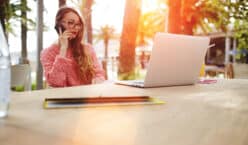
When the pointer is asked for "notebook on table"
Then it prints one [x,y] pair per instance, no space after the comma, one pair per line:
[101,101]
[175,60]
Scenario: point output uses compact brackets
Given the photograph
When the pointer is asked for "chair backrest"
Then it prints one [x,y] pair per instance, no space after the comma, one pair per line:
[21,76]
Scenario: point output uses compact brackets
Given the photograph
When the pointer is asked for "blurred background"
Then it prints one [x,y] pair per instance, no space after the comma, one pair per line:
[122,31]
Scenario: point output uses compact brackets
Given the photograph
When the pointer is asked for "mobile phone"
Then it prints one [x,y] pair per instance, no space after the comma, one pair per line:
[57,27]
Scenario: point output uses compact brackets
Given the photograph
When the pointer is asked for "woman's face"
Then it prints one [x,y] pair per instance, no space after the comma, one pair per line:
[71,24]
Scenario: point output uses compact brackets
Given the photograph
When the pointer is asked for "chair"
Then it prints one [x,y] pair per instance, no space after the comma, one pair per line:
[240,70]
[226,70]
[21,76]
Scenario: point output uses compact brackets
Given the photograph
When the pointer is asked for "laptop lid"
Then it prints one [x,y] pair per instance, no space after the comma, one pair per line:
[175,59]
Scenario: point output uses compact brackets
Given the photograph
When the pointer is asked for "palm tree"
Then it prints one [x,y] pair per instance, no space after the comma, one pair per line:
[239,11]
[105,33]
[128,37]
[186,15]
[24,52]
[150,23]
[10,10]
[3,15]
[202,14]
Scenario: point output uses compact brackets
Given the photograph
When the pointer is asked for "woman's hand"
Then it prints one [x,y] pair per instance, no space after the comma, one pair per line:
[64,41]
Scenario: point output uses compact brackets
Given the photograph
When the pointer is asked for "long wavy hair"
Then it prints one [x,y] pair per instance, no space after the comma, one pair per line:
[81,56]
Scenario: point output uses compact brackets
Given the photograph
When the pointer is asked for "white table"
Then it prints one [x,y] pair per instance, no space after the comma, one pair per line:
[202,114]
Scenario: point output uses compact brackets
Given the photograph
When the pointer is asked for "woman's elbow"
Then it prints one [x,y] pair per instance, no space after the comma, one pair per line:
[57,80]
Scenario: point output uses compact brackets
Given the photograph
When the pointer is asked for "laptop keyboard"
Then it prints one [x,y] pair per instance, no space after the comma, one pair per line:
[139,82]
[135,83]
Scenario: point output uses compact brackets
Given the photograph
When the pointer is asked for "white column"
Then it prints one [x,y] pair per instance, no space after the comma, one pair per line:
[227,49]
[234,49]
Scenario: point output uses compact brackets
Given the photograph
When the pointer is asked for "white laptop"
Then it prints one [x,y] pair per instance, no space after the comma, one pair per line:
[175,60]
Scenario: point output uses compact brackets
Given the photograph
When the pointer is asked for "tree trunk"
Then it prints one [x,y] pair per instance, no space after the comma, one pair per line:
[180,16]
[39,72]
[106,43]
[105,60]
[187,18]
[174,23]
[24,59]
[62,2]
[87,4]
[3,3]
[128,38]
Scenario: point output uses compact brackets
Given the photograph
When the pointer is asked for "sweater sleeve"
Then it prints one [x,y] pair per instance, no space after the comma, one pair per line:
[99,72]
[56,68]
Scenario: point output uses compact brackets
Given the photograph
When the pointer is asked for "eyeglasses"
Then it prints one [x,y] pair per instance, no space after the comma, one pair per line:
[72,24]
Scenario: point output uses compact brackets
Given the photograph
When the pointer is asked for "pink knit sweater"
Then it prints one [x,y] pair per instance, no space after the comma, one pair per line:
[63,71]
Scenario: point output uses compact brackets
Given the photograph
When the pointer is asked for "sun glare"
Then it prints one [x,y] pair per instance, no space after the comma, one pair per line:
[150,5]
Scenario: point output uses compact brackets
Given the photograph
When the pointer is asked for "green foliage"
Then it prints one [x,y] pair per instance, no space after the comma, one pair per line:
[241,35]
[241,28]
[127,75]
[21,88]
[209,13]
[136,74]
[150,23]
[221,14]
[18,89]
[239,11]
[11,11]
[34,86]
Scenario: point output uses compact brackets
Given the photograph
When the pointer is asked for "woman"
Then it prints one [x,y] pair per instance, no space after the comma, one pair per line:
[70,62]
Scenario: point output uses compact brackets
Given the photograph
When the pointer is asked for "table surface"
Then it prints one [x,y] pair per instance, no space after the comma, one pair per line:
[201,114]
